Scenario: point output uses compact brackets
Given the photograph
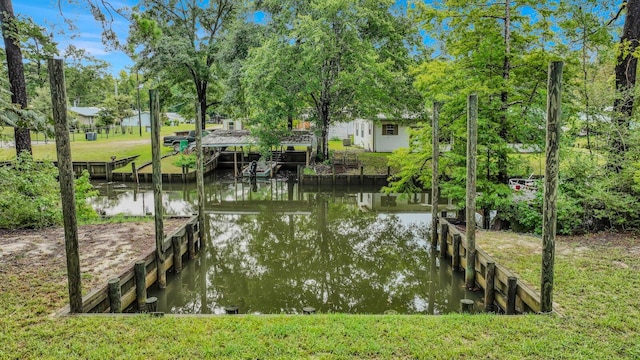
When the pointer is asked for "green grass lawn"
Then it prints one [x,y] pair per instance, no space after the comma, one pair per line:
[596,286]
[119,145]
[597,289]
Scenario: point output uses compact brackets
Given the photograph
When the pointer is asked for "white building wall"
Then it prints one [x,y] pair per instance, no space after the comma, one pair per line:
[341,130]
[388,143]
[363,134]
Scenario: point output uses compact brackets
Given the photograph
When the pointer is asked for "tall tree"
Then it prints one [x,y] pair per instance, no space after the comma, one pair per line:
[181,40]
[626,68]
[496,50]
[590,39]
[344,58]
[22,134]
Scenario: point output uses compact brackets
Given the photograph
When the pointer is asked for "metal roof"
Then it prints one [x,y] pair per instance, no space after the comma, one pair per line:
[85,111]
[224,138]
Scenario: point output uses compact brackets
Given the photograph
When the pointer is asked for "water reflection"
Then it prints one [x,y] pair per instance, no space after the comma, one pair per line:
[275,249]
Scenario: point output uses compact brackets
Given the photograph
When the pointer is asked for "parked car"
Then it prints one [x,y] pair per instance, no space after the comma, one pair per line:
[174,140]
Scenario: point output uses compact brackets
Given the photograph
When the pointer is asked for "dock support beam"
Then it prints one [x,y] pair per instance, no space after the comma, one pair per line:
[66,177]
[435,183]
[472,139]
[154,105]
[140,274]
[549,212]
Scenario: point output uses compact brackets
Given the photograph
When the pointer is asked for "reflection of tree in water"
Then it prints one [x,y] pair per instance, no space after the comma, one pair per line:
[337,259]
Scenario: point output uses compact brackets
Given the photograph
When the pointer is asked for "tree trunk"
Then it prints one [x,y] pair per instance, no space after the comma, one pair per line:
[16,74]
[503,158]
[201,88]
[626,67]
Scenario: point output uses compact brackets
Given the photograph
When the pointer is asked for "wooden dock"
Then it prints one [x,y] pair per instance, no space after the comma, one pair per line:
[504,292]
[181,243]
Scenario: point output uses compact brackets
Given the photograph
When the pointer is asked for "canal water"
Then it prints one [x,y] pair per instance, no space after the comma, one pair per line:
[273,248]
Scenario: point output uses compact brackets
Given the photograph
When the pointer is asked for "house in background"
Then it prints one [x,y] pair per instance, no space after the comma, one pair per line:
[341,130]
[231,124]
[144,120]
[85,115]
[175,118]
[382,134]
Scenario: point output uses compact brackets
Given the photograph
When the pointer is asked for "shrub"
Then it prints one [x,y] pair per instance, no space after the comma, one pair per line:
[84,190]
[29,194]
[186,160]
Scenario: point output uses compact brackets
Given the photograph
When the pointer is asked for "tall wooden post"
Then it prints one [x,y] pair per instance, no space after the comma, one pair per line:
[435,184]
[200,176]
[472,153]
[549,215]
[65,169]
[154,105]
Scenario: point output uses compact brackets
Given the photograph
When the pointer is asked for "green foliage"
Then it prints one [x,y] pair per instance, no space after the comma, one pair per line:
[189,161]
[84,191]
[114,109]
[308,171]
[588,200]
[332,60]
[29,194]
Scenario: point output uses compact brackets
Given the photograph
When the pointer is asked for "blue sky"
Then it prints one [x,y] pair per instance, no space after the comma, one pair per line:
[88,33]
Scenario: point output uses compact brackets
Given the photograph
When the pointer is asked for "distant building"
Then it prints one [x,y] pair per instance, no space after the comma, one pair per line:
[341,130]
[231,124]
[144,120]
[85,115]
[382,134]
[175,118]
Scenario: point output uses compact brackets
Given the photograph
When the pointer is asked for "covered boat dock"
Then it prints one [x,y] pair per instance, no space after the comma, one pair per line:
[234,147]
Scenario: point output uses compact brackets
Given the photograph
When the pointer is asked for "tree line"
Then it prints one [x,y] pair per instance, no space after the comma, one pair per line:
[335,60]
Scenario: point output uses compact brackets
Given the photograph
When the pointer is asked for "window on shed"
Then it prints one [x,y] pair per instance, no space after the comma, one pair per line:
[389,129]
[370,128]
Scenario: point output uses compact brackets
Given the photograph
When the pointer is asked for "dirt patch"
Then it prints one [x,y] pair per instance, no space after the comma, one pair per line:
[616,239]
[106,250]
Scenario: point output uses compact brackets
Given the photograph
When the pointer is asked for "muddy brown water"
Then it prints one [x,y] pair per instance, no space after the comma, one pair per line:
[274,248]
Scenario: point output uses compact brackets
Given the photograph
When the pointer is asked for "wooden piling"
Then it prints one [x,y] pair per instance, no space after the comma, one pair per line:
[512,287]
[115,295]
[66,179]
[472,139]
[134,172]
[361,175]
[140,275]
[231,310]
[549,214]
[154,105]
[455,260]
[109,171]
[435,182]
[177,257]
[490,291]
[444,233]
[191,244]
[152,304]
[308,310]
[200,177]
[466,306]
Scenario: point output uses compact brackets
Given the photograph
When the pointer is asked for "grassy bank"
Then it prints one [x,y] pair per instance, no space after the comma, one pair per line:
[597,289]
[119,145]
